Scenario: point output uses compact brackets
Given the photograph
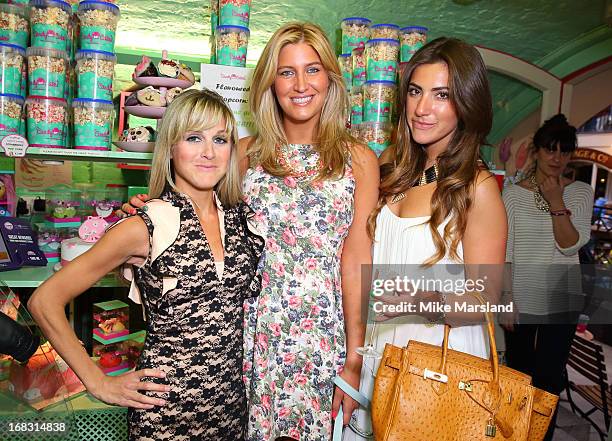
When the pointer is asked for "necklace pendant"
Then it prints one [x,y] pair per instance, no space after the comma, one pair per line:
[398,197]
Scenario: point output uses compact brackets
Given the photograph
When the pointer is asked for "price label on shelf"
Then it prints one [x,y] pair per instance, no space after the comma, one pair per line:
[14,146]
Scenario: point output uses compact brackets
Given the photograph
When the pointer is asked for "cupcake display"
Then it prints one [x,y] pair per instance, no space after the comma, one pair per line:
[161,83]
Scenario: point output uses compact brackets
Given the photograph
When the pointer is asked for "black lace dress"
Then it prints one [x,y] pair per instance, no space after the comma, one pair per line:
[195,330]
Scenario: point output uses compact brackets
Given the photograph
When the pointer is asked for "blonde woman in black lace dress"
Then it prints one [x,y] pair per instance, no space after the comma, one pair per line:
[194,261]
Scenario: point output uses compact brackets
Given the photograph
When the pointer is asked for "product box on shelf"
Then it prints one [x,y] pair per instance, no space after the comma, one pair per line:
[103,202]
[111,319]
[63,206]
[49,241]
[378,100]
[412,39]
[382,56]
[18,245]
[47,72]
[11,112]
[234,12]
[93,121]
[355,33]
[95,71]
[47,121]
[118,355]
[134,344]
[112,358]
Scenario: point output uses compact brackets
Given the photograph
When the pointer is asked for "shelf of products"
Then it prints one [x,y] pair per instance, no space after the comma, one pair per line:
[34,276]
[56,154]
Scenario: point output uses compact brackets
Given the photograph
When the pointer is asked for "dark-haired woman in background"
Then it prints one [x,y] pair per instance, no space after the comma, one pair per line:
[549,220]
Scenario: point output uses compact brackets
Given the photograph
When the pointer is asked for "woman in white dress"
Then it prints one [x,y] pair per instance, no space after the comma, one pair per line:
[438,204]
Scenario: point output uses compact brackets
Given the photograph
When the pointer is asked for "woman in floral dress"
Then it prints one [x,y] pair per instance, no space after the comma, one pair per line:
[312,188]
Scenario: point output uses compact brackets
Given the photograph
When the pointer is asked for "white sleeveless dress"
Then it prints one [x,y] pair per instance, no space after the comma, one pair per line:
[409,241]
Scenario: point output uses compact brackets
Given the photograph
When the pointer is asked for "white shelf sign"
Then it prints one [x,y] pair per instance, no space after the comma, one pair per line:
[14,146]
[234,85]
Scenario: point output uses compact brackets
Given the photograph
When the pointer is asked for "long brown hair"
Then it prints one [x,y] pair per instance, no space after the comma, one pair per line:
[332,140]
[459,165]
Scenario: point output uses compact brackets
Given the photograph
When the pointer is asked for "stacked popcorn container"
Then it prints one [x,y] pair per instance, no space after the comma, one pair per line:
[214,22]
[51,75]
[231,36]
[412,38]
[355,33]
[48,73]
[14,38]
[92,110]
[14,26]
[376,52]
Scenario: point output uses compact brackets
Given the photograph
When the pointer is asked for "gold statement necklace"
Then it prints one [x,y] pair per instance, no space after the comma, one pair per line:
[428,176]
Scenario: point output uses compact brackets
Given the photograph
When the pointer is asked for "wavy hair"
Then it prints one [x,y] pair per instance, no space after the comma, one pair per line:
[195,110]
[459,165]
[332,140]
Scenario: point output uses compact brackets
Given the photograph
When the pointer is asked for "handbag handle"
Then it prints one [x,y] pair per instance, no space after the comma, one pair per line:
[362,399]
[492,345]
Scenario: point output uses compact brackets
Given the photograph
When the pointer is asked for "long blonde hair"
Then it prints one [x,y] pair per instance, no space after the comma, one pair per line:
[459,165]
[195,110]
[332,140]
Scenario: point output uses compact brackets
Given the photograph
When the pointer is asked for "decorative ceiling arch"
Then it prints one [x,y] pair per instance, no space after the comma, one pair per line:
[535,76]
[579,57]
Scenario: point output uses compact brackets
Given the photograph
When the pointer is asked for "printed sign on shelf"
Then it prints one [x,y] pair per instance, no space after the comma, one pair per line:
[234,85]
[18,246]
[14,146]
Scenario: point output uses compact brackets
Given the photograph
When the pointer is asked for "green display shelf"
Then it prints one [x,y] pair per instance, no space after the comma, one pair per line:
[32,277]
[58,154]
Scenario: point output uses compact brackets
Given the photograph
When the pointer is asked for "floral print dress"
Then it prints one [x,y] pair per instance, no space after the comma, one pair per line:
[294,331]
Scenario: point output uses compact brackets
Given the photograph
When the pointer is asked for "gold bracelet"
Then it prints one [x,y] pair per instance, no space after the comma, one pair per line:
[564,212]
